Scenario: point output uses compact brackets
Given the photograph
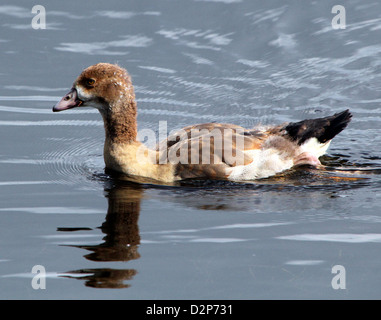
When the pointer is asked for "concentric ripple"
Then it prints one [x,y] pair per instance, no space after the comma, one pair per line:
[74,162]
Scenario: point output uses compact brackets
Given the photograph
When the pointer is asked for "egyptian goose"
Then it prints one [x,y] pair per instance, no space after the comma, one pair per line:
[210,150]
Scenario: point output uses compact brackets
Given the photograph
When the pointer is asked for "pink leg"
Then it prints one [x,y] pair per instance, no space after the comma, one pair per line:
[306,158]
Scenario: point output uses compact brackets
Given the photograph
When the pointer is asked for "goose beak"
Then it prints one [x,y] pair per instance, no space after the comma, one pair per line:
[69,101]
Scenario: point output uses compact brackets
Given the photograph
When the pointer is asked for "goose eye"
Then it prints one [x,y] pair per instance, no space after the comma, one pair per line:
[90,82]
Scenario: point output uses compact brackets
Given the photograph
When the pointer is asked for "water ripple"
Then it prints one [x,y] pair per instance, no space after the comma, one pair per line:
[335,237]
[304,262]
[74,162]
[196,38]
[102,48]
[54,210]
[32,88]
[22,123]
[40,111]
[29,98]
[18,183]
[158,69]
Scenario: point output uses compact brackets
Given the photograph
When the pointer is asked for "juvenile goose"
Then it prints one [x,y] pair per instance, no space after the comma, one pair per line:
[210,150]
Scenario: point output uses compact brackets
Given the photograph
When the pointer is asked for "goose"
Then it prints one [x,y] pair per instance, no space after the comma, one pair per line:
[215,151]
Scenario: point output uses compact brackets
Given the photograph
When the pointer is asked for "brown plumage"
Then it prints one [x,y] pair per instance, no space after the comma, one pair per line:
[209,150]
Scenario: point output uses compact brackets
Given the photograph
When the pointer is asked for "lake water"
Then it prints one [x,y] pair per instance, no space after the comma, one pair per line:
[99,236]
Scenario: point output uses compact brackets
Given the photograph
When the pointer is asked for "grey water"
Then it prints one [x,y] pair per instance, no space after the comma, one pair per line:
[98,236]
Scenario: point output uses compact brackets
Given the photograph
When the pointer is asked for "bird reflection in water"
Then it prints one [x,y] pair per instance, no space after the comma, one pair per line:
[121,240]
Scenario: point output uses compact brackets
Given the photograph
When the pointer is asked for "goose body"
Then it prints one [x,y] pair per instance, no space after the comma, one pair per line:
[209,150]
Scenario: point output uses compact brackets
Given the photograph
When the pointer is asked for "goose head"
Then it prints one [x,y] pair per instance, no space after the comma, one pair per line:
[103,86]
[108,88]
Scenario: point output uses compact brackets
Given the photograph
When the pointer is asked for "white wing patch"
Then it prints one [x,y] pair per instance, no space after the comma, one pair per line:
[266,163]
[270,161]
[315,147]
